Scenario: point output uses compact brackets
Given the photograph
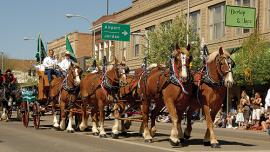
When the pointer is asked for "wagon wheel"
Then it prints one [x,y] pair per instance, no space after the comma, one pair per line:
[19,114]
[36,115]
[24,113]
[9,114]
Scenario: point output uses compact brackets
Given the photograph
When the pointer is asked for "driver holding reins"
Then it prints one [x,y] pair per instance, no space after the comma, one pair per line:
[9,79]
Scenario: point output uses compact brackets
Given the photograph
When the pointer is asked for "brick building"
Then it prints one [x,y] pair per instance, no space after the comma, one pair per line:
[80,42]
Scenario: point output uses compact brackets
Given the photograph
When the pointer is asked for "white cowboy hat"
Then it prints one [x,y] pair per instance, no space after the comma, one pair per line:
[67,53]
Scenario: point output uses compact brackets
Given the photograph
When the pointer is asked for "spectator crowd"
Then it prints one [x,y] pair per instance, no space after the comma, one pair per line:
[249,114]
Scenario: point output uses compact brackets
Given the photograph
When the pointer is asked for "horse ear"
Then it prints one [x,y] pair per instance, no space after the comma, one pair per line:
[188,47]
[175,53]
[221,52]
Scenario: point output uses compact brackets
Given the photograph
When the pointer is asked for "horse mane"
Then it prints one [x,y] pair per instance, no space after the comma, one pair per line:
[213,55]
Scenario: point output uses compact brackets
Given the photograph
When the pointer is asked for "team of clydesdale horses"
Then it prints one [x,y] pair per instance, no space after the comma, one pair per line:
[176,87]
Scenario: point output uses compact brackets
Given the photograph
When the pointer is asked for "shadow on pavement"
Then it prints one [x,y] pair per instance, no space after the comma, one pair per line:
[222,142]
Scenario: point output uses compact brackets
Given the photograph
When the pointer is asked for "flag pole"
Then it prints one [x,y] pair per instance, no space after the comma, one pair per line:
[39,43]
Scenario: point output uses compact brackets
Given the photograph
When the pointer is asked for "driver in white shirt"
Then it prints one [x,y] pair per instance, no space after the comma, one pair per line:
[50,63]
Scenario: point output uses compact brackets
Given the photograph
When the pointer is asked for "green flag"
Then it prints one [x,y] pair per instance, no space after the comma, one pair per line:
[41,53]
[70,50]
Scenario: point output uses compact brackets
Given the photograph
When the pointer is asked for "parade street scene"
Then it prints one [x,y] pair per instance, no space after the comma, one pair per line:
[135,76]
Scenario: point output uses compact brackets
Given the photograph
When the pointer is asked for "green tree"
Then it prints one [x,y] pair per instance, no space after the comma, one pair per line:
[253,61]
[166,35]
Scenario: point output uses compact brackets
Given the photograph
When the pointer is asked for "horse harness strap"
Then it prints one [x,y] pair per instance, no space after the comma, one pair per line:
[174,76]
[206,78]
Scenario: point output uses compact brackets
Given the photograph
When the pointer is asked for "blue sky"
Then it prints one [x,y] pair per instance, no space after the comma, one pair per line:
[28,18]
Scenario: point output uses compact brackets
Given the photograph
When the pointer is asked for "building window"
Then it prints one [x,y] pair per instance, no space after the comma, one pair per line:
[245,3]
[146,39]
[166,25]
[150,29]
[268,13]
[195,22]
[136,43]
[124,49]
[216,21]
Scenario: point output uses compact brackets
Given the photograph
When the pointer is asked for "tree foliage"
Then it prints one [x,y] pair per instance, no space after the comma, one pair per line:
[253,61]
[165,36]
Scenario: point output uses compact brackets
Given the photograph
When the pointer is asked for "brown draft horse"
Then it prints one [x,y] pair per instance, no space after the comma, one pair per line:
[161,85]
[59,91]
[211,85]
[128,95]
[68,96]
[98,90]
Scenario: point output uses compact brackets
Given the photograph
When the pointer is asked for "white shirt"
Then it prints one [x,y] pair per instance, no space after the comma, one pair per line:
[49,62]
[64,64]
[267,99]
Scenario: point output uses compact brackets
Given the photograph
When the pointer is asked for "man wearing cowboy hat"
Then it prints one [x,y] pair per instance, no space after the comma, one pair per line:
[65,63]
[50,63]
[8,78]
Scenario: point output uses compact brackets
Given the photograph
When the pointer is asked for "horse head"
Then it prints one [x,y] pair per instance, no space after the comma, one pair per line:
[74,73]
[117,72]
[223,64]
[182,60]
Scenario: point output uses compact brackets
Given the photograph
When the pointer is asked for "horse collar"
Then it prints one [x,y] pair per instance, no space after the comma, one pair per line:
[208,79]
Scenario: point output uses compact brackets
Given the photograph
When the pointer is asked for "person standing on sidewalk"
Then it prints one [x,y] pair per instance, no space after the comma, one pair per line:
[256,109]
[267,101]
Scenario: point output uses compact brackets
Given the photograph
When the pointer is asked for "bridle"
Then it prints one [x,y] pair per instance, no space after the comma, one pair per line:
[74,73]
[107,81]
[207,77]
[228,61]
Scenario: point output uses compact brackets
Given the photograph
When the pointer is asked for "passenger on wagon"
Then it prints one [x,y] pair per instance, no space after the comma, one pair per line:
[65,63]
[50,64]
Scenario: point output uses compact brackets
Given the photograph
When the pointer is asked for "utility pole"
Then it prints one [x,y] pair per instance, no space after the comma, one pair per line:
[107,7]
[2,56]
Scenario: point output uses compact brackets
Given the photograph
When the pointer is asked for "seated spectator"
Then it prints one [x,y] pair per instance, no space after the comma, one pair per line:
[265,121]
[218,118]
[229,120]
[240,118]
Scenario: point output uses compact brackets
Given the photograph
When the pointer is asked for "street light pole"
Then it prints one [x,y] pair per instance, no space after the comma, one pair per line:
[187,21]
[89,22]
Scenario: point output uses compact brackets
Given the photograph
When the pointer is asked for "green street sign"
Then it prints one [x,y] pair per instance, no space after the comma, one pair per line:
[236,16]
[115,32]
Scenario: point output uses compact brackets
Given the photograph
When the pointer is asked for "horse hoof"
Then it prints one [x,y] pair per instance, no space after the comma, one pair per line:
[183,140]
[186,136]
[70,131]
[148,140]
[207,143]
[174,143]
[55,128]
[215,145]
[124,133]
[115,136]
[103,136]
[95,134]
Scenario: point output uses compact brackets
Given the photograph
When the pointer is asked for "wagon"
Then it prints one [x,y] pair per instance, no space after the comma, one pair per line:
[30,105]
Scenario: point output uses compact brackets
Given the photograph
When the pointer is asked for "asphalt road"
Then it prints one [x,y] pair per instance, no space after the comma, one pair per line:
[15,138]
